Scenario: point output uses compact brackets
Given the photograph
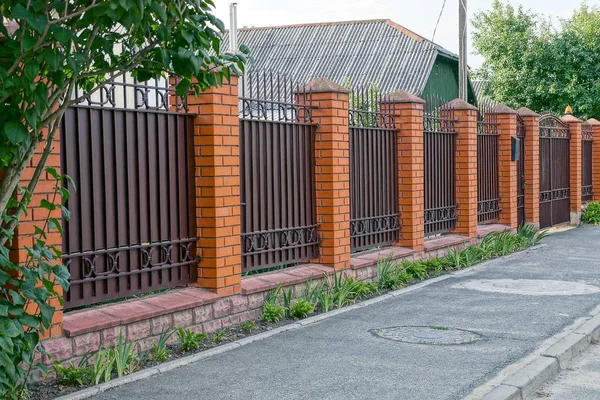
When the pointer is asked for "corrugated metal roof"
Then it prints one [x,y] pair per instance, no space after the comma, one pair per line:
[481,89]
[363,52]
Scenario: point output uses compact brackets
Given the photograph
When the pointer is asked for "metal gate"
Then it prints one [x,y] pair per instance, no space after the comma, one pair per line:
[127,150]
[488,189]
[555,201]
[521,171]
[586,164]
[439,155]
[277,147]
[374,217]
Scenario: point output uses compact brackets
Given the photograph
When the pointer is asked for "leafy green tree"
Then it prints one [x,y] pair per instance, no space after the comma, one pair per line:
[529,62]
[48,48]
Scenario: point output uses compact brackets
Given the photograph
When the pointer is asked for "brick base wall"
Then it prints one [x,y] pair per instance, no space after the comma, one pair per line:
[201,311]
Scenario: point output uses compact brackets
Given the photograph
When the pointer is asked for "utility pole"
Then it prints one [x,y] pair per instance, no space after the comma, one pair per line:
[233,46]
[462,50]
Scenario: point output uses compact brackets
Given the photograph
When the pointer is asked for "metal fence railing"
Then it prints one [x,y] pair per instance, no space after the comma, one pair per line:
[521,132]
[587,139]
[439,145]
[129,151]
[374,215]
[488,189]
[277,161]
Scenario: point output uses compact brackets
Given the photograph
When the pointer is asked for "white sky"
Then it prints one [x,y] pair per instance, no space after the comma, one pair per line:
[419,16]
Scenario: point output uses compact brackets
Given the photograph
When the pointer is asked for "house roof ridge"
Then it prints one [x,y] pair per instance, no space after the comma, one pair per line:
[309,24]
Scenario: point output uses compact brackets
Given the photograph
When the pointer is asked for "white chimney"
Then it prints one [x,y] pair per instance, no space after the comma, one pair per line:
[233,46]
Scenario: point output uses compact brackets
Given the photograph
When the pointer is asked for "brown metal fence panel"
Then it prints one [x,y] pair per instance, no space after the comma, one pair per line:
[488,190]
[554,171]
[277,139]
[439,145]
[374,216]
[521,172]
[586,176]
[130,229]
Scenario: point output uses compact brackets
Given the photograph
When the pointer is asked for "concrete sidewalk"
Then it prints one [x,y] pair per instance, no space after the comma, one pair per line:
[581,381]
[341,357]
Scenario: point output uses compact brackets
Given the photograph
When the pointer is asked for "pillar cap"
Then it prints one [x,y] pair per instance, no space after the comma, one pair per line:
[323,85]
[570,118]
[592,121]
[401,96]
[526,112]
[459,104]
[502,109]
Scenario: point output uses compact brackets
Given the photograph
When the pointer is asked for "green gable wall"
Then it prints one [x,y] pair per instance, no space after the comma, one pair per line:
[443,81]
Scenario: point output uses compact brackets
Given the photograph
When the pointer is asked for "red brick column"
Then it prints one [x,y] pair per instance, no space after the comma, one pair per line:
[507,127]
[36,216]
[332,170]
[595,158]
[466,167]
[532,165]
[217,187]
[576,167]
[408,117]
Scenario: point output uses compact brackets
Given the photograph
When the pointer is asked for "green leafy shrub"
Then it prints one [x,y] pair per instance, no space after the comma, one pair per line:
[312,292]
[102,367]
[326,300]
[388,274]
[301,309]
[125,358]
[364,288]
[218,337]
[530,235]
[160,351]
[272,312]
[71,374]
[248,326]
[343,290]
[190,341]
[414,269]
[455,258]
[591,214]
[287,301]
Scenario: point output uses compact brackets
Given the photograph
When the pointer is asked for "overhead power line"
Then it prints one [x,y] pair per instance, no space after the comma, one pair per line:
[438,20]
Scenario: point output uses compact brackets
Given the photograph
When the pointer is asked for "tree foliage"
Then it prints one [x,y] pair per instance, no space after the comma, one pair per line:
[50,48]
[530,62]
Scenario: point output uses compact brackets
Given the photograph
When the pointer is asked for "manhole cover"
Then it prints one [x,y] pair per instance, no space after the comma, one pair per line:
[528,287]
[427,335]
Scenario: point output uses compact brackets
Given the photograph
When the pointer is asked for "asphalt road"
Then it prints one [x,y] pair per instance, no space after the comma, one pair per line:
[340,358]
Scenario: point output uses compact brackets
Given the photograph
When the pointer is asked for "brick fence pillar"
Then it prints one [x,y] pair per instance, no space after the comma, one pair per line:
[408,117]
[332,170]
[507,127]
[576,167]
[466,166]
[595,158]
[532,165]
[217,187]
[25,236]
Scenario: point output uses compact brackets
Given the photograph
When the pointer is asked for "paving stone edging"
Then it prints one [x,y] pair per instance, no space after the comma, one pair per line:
[545,367]
[183,361]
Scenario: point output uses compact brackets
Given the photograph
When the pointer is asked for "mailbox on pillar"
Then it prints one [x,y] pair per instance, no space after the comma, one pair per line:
[515,148]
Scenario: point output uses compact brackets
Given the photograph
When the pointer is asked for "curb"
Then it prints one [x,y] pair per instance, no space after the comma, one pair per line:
[183,361]
[524,382]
